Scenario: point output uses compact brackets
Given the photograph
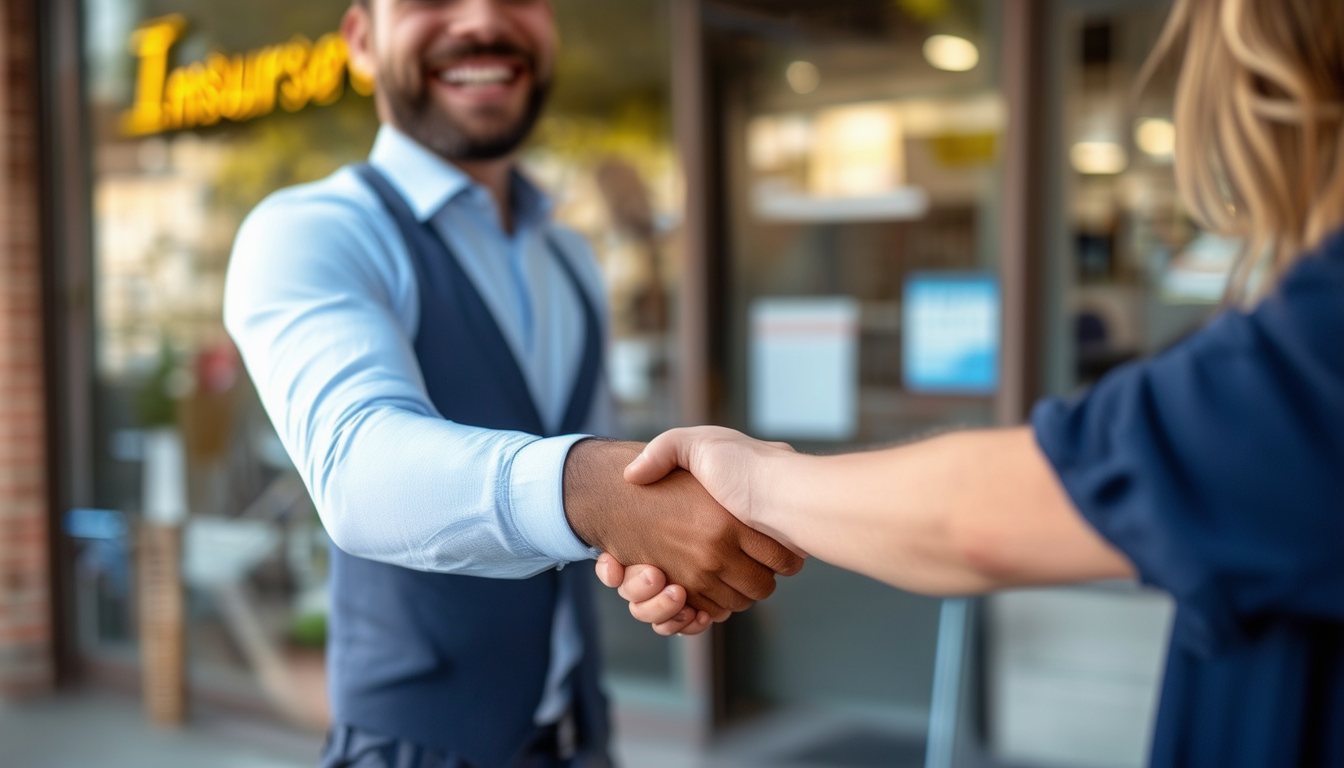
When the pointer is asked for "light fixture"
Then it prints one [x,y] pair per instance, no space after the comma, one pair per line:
[803,77]
[1156,136]
[951,53]
[1098,157]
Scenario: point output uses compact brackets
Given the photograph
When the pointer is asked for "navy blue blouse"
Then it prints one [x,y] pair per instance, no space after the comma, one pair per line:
[1217,467]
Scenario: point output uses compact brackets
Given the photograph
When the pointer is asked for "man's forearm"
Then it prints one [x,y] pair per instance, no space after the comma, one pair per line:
[434,495]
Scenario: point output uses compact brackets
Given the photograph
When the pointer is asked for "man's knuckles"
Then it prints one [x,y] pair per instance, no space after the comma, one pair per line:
[788,564]
[761,589]
[773,555]
[739,602]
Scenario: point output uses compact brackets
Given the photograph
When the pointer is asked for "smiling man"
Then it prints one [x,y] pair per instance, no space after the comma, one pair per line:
[428,345]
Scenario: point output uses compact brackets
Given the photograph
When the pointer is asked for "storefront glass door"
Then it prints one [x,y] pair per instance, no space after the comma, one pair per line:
[197,110]
[859,148]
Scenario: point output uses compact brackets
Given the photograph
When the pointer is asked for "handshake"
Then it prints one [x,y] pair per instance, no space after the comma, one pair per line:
[674,520]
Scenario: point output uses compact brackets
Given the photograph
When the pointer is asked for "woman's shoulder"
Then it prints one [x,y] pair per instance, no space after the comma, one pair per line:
[1320,271]
[1300,323]
[1215,465]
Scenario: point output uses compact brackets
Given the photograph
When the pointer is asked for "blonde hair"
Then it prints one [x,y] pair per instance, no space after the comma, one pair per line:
[1259,120]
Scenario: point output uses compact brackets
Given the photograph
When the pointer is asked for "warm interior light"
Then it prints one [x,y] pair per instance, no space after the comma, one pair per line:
[1098,157]
[803,76]
[858,151]
[1156,136]
[774,142]
[952,53]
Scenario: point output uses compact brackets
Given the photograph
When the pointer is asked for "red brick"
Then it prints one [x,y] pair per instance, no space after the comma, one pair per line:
[21,480]
[21,507]
[32,528]
[26,635]
[23,549]
[28,603]
[21,453]
[34,634]
[19,564]
[23,428]
[30,606]
[23,403]
[17,527]
[25,621]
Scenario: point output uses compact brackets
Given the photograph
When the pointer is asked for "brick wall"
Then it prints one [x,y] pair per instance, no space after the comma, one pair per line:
[26,641]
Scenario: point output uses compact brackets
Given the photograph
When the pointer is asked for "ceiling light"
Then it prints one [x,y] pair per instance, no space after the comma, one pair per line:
[1156,136]
[803,76]
[1098,157]
[951,53]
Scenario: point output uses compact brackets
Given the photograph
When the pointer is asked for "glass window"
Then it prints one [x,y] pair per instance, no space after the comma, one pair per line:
[1130,274]
[1141,274]
[859,149]
[198,110]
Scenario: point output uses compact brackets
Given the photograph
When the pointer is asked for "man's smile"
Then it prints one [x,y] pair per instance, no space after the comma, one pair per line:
[482,78]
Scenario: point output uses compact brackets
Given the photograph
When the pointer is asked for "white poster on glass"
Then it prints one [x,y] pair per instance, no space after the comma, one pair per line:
[804,368]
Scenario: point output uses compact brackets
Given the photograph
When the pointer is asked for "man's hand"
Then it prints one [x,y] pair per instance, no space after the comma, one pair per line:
[673,525]
[652,600]
[725,462]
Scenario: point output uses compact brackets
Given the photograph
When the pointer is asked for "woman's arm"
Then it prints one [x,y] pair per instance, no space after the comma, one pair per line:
[1213,466]
[962,513]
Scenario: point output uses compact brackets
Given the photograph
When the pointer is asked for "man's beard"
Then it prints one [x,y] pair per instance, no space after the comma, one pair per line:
[418,116]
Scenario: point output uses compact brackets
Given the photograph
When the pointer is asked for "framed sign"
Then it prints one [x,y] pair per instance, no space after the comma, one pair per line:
[804,367]
[950,340]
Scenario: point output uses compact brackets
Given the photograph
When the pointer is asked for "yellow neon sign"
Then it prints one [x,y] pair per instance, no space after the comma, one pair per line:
[236,87]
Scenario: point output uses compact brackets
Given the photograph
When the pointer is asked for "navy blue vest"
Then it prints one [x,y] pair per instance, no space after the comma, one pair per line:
[458,663]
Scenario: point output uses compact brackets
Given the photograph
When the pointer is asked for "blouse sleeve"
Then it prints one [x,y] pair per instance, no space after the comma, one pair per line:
[1217,467]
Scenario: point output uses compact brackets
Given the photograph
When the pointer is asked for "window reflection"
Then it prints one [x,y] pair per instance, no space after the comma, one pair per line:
[1143,274]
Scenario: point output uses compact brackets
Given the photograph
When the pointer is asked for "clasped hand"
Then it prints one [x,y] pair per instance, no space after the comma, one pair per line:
[672,523]
[727,465]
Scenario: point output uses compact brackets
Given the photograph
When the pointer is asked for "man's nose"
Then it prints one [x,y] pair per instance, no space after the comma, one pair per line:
[481,20]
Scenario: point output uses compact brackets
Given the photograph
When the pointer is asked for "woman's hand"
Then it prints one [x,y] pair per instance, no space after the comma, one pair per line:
[727,463]
[652,600]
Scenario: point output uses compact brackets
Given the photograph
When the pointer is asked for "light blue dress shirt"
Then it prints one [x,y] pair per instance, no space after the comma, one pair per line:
[321,299]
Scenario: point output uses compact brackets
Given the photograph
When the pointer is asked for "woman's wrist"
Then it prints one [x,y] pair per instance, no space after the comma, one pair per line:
[774,489]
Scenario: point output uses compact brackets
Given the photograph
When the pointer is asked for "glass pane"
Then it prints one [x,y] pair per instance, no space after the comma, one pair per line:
[199,109]
[1130,275]
[1142,274]
[860,165]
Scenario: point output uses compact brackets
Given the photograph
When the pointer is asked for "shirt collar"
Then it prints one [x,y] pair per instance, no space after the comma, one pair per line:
[428,182]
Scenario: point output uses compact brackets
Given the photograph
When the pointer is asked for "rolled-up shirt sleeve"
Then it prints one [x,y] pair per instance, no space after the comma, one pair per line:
[1217,467]
[320,308]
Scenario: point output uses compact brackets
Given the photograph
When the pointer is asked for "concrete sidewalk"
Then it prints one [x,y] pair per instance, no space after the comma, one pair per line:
[101,729]
[98,728]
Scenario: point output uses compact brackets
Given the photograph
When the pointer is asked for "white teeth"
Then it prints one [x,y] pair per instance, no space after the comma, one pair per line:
[477,75]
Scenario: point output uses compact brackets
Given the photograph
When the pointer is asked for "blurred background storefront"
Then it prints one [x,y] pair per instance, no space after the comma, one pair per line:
[836,223]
